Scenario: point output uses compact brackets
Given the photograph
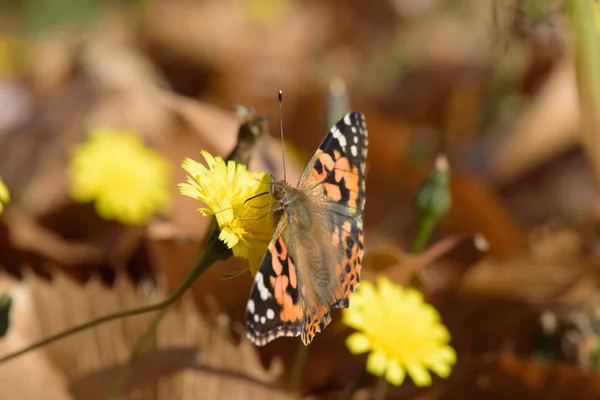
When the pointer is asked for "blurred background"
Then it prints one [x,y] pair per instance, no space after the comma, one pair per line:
[505,89]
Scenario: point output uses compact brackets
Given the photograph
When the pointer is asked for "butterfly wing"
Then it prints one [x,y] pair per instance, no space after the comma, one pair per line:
[310,267]
[279,303]
[335,180]
[336,173]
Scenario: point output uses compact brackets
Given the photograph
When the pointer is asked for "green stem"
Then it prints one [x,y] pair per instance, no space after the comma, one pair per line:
[586,34]
[125,370]
[207,258]
[587,62]
[426,225]
[298,367]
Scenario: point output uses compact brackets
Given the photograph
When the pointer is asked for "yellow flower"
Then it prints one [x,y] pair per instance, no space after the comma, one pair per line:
[264,10]
[402,332]
[128,181]
[245,228]
[10,56]
[4,195]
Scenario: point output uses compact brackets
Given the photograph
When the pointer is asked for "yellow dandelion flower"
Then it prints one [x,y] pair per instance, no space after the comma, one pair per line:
[264,10]
[128,181]
[10,56]
[224,187]
[402,332]
[4,195]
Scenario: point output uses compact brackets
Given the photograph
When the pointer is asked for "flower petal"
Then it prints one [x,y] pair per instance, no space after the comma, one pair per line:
[419,374]
[377,362]
[353,317]
[358,343]
[440,368]
[4,193]
[395,374]
[228,237]
[441,362]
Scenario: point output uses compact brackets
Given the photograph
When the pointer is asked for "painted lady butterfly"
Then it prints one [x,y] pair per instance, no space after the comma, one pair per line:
[314,259]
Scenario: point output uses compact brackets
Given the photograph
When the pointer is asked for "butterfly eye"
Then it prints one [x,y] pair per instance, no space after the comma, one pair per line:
[276,192]
[276,187]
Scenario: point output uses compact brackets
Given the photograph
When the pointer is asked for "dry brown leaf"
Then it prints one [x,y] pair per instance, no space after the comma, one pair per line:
[555,269]
[402,267]
[502,376]
[249,70]
[535,137]
[189,354]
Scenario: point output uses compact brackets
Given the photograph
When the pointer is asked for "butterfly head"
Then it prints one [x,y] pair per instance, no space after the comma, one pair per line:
[278,189]
[283,193]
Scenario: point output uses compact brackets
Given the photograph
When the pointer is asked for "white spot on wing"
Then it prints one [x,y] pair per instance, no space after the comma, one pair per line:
[354,150]
[270,313]
[250,306]
[260,284]
[355,139]
[336,132]
[342,140]
[353,129]
[263,319]
[347,119]
[255,317]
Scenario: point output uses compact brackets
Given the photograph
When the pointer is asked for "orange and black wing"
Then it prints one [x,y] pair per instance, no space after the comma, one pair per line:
[304,274]
[336,182]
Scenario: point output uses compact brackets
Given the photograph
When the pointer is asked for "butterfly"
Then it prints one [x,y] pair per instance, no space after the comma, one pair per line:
[313,261]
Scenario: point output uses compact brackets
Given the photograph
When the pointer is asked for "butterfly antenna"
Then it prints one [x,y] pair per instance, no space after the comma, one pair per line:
[280,96]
